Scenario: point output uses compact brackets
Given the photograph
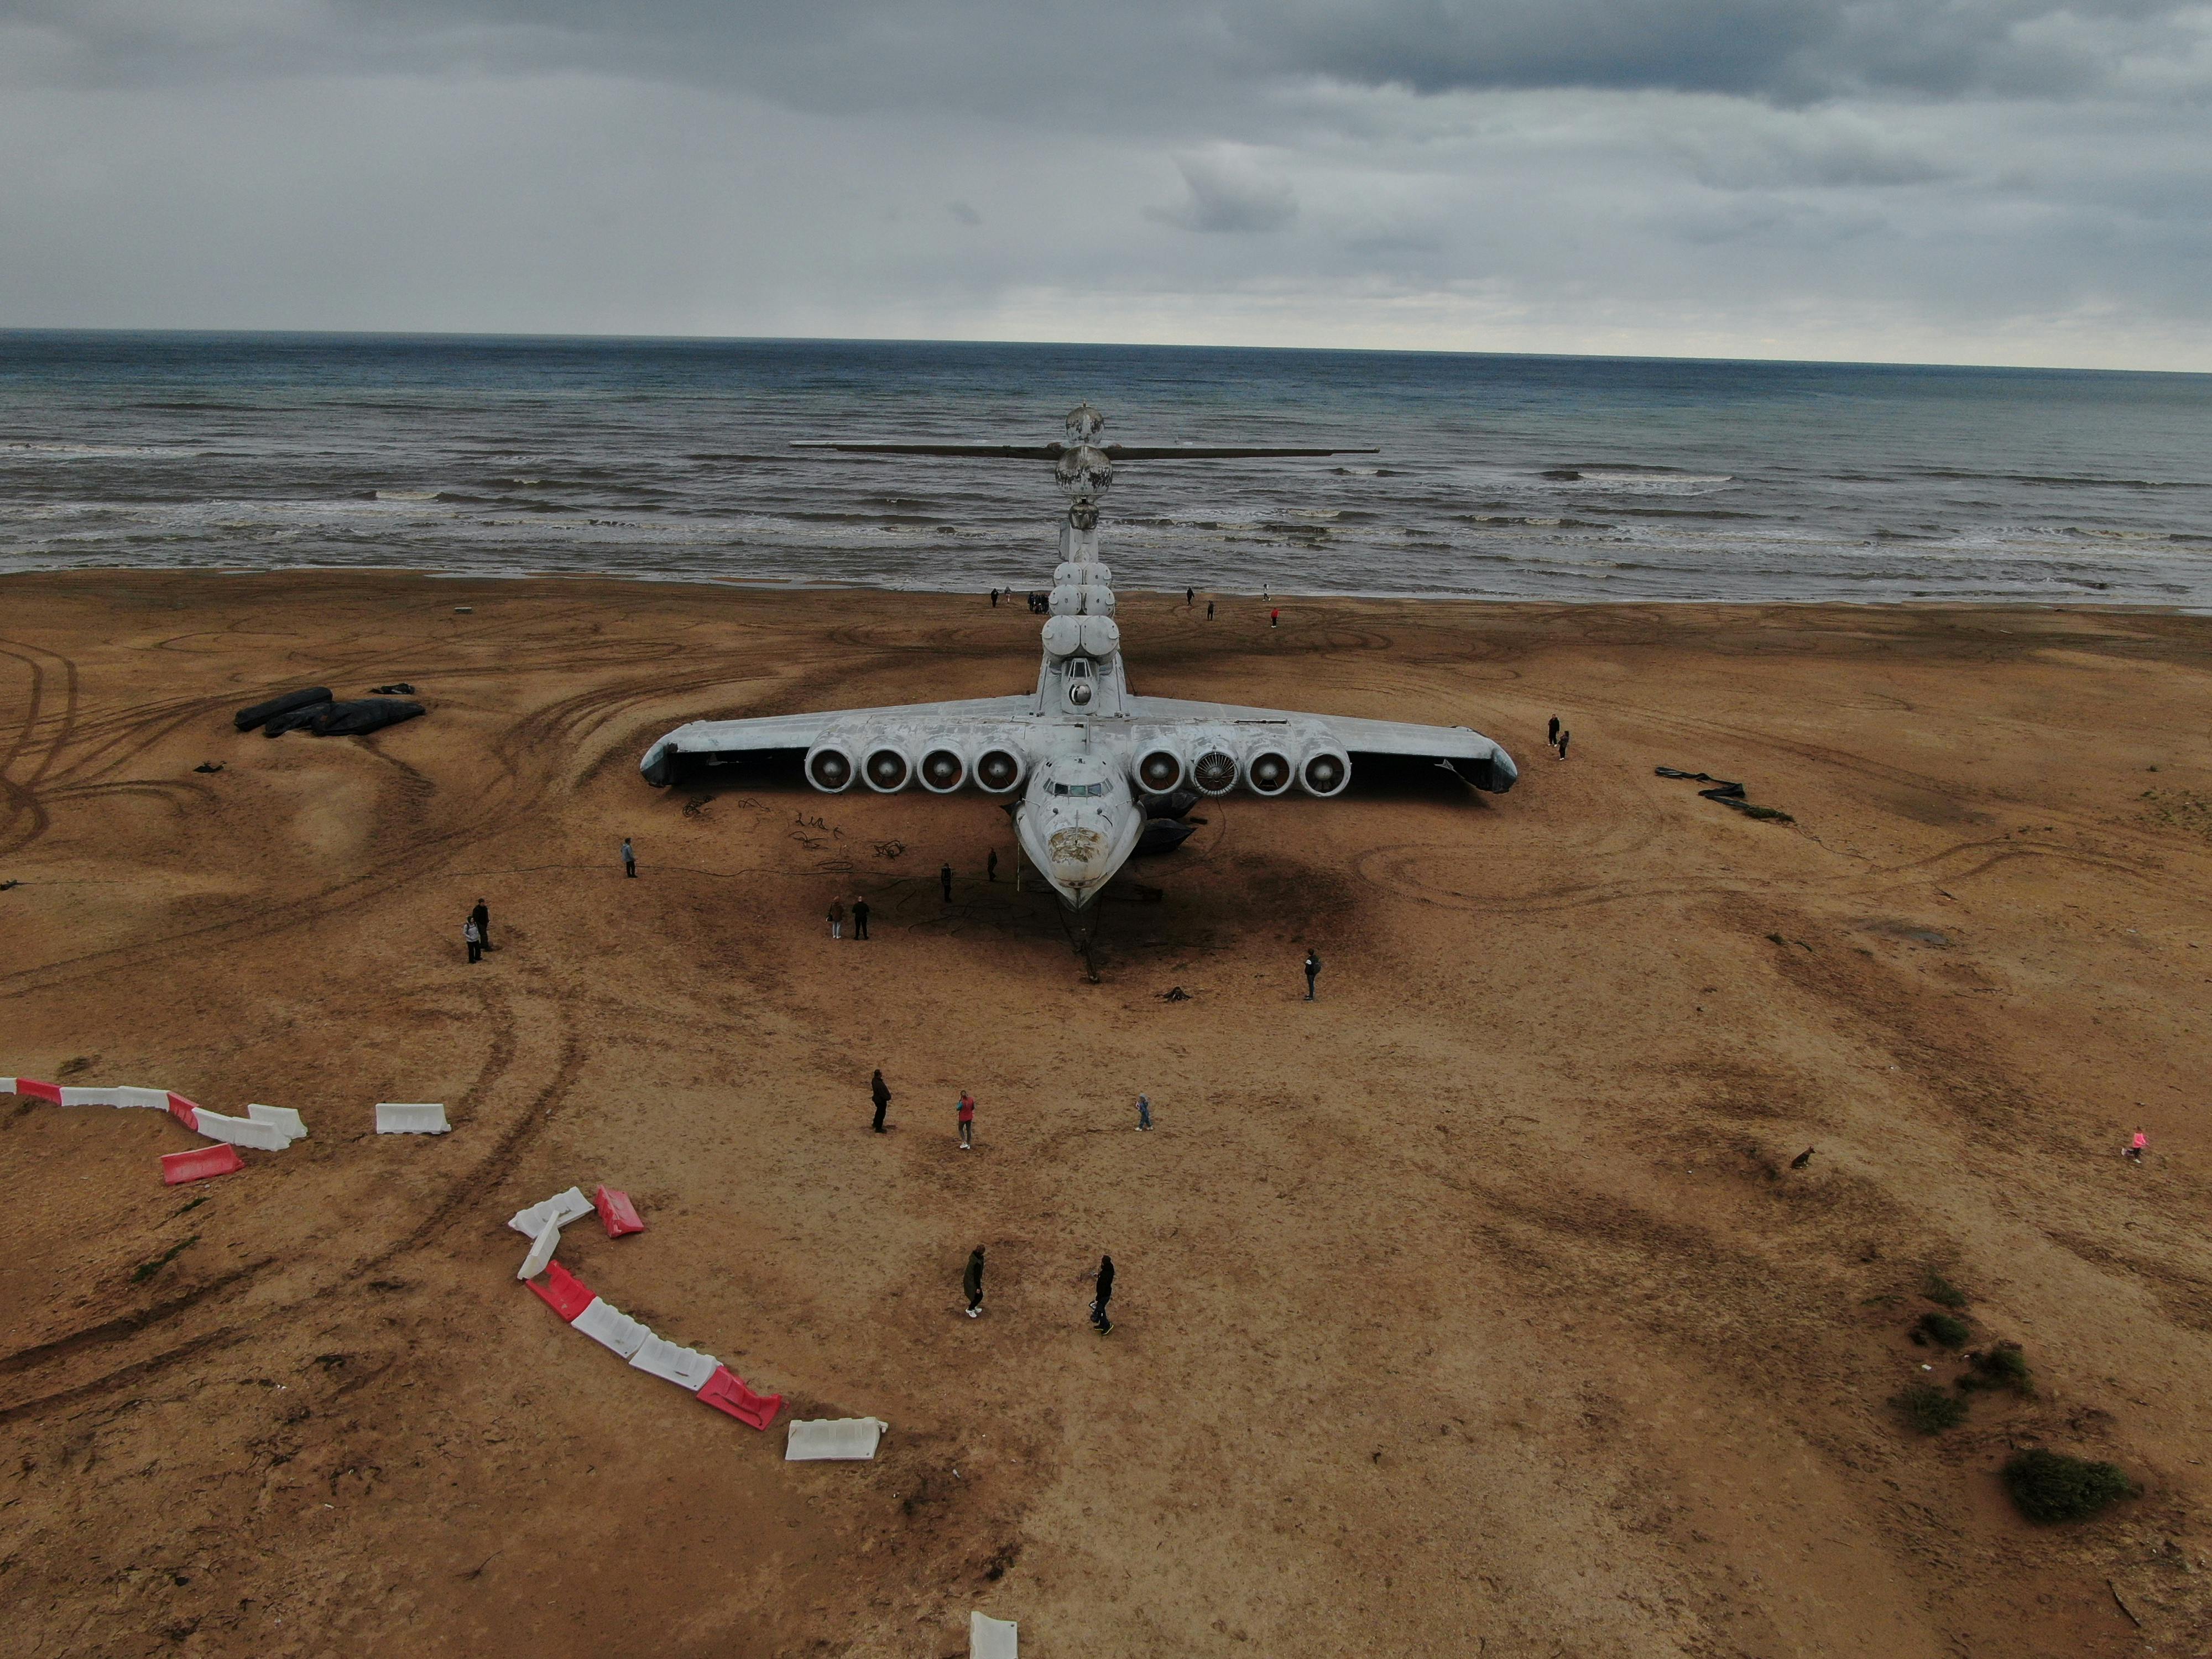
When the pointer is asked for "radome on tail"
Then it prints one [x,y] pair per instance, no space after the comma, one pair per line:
[1082,750]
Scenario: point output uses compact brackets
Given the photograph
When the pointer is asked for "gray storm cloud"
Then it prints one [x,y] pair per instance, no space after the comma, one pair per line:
[1228,194]
[2001,180]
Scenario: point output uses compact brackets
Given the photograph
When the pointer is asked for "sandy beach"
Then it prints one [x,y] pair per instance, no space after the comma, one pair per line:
[1474,1308]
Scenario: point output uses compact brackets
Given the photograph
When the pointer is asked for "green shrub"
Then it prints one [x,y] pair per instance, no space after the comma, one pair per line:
[1941,1327]
[1939,1288]
[1930,1409]
[2049,1487]
[2003,1366]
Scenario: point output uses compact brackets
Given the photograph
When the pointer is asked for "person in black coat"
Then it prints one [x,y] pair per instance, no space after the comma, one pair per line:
[482,916]
[859,918]
[945,881]
[1104,1295]
[883,1099]
[972,1283]
[1313,972]
[1552,738]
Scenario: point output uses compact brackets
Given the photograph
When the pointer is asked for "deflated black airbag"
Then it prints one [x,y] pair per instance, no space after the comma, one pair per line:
[246,718]
[366,714]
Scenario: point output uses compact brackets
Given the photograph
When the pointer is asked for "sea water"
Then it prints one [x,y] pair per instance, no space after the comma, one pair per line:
[1546,478]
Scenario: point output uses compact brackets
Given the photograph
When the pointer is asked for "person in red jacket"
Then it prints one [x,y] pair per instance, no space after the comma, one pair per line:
[967,1120]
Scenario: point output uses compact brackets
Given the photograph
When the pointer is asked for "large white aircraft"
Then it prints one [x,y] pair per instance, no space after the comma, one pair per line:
[1082,750]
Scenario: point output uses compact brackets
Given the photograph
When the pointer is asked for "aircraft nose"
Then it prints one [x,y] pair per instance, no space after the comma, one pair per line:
[1079,853]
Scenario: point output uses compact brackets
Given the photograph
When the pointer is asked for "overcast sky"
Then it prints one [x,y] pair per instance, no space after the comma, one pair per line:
[2013,181]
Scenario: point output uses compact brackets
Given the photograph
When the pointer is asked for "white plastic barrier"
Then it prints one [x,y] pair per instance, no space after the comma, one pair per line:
[685,1367]
[846,1437]
[541,1250]
[7,1085]
[240,1131]
[158,1099]
[561,1209]
[609,1325]
[992,1638]
[410,1119]
[284,1117]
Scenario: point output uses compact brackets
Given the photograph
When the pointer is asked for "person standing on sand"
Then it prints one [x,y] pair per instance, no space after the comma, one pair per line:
[1209,611]
[836,918]
[1552,738]
[944,882]
[1564,736]
[967,1120]
[2138,1146]
[1313,972]
[859,918]
[630,858]
[995,598]
[991,865]
[883,1099]
[1144,1111]
[1274,619]
[1103,1294]
[1189,597]
[972,1282]
[473,939]
[482,916]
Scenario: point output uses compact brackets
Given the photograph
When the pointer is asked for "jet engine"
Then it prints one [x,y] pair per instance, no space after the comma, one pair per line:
[1160,769]
[1268,770]
[1214,768]
[829,767]
[1326,771]
[944,769]
[887,769]
[999,770]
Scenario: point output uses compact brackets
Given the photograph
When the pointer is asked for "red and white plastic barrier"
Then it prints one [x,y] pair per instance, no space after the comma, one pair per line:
[700,1374]
[199,1163]
[266,1128]
[618,1212]
[561,1209]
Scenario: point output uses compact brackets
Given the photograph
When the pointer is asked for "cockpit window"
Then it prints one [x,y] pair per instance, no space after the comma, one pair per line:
[1079,789]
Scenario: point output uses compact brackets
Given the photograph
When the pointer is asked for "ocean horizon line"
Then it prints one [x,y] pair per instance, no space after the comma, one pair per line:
[481,338]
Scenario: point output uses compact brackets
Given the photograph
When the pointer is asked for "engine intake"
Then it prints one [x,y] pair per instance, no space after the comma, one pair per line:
[1326,772]
[944,769]
[1215,770]
[1269,771]
[887,769]
[1160,769]
[999,770]
[829,767]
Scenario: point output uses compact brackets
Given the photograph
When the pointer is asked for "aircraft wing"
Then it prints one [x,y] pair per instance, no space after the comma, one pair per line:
[1052,452]
[778,735]
[1481,761]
